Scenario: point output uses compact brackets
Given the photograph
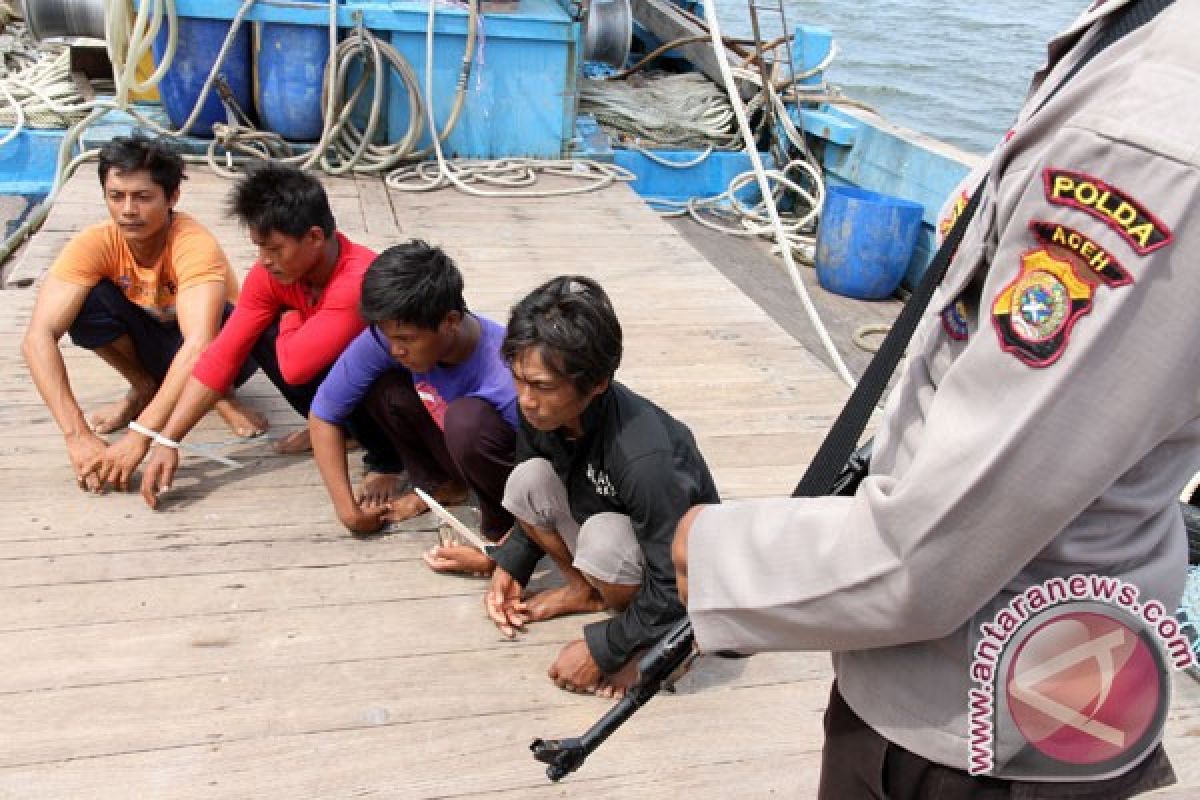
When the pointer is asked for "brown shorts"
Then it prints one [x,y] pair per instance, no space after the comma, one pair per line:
[857,762]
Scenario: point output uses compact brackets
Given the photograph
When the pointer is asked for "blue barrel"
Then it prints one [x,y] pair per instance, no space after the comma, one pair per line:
[865,242]
[199,44]
[289,69]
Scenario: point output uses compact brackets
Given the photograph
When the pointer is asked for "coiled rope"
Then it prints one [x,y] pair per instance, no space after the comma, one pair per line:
[510,175]
[344,147]
[683,111]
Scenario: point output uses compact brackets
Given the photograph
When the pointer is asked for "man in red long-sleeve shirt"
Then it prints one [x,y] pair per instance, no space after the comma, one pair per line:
[297,311]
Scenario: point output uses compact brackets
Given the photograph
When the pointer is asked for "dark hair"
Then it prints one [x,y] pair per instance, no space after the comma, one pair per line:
[137,152]
[413,283]
[276,197]
[571,322]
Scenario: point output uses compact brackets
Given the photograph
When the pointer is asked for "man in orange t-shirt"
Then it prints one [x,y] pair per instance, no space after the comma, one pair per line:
[146,291]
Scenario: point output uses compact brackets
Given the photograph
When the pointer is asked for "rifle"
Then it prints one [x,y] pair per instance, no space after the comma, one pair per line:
[662,663]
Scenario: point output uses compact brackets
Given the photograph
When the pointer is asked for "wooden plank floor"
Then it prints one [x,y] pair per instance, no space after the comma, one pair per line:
[239,644]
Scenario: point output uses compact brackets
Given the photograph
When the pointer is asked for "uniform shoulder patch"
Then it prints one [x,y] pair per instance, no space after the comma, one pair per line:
[1115,208]
[946,224]
[1099,259]
[1034,314]
[954,321]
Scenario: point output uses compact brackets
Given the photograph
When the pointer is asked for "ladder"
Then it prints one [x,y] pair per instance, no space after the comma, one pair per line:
[770,11]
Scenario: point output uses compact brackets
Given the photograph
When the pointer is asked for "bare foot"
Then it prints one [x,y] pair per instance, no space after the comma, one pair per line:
[117,414]
[378,489]
[574,598]
[617,684]
[296,442]
[241,420]
[459,558]
[409,505]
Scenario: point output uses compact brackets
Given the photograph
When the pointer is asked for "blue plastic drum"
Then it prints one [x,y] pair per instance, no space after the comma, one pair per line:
[290,68]
[865,242]
[199,44]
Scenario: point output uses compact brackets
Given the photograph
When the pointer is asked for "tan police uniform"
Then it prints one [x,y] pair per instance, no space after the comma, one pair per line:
[1042,425]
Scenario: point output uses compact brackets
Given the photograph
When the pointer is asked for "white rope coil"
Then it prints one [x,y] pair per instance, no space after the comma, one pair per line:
[42,95]
[680,111]
[506,176]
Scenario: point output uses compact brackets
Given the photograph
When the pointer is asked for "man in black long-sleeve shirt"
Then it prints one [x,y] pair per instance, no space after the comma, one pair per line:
[602,477]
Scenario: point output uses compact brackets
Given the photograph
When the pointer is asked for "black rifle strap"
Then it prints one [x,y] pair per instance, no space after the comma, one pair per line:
[843,437]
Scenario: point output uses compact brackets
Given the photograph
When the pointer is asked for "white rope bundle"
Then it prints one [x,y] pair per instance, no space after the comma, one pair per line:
[505,177]
[512,177]
[8,12]
[684,111]
[17,45]
[42,95]
[727,213]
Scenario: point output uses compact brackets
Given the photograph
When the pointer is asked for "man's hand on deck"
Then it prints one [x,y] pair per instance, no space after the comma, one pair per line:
[116,464]
[679,550]
[159,473]
[82,449]
[366,518]
[503,603]
[575,670]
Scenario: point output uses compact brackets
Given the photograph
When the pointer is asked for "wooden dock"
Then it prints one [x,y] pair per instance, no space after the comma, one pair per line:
[240,644]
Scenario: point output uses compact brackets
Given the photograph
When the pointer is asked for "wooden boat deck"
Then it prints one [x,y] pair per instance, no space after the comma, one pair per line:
[239,644]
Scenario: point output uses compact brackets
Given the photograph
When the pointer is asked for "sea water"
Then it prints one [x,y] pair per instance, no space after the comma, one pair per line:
[955,70]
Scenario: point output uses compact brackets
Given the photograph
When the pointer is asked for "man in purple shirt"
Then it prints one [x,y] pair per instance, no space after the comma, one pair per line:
[431,375]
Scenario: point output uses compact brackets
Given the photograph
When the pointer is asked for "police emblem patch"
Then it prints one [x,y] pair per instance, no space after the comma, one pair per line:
[954,321]
[1035,313]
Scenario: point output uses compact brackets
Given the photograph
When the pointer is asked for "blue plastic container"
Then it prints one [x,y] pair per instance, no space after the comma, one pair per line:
[29,161]
[708,178]
[521,96]
[199,43]
[289,70]
[865,242]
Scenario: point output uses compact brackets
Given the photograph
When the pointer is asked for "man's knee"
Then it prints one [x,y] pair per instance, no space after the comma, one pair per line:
[391,396]
[608,552]
[99,321]
[462,423]
[533,492]
[474,430]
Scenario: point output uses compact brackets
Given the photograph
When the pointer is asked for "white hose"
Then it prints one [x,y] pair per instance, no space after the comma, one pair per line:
[342,147]
[504,172]
[764,186]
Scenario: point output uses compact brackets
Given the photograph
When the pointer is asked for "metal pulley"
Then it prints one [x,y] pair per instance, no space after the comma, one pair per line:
[608,32]
[65,18]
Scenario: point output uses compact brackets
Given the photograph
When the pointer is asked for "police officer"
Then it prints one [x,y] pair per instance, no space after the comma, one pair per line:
[1040,427]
